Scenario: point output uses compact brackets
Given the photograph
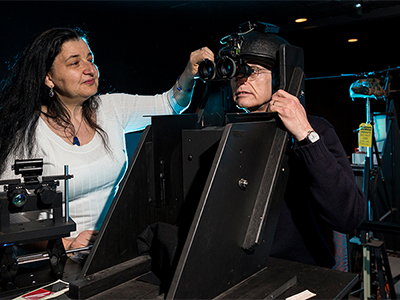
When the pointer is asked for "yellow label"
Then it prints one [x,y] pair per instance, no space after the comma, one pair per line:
[365,135]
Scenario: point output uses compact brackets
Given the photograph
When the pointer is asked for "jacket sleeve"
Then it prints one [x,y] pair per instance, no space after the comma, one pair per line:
[333,189]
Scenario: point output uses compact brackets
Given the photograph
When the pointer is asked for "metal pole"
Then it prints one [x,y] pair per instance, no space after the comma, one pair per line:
[366,249]
[66,193]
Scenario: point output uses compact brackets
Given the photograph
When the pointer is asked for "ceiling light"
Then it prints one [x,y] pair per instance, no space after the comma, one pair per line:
[358,8]
[301,20]
[352,40]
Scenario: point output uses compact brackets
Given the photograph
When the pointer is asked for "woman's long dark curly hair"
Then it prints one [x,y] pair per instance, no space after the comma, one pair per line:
[24,92]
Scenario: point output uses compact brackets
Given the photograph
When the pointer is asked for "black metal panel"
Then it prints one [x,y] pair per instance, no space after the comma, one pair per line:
[213,259]
[127,216]
[167,141]
[198,151]
[140,200]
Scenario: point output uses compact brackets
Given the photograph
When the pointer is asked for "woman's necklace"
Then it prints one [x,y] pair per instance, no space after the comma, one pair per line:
[75,140]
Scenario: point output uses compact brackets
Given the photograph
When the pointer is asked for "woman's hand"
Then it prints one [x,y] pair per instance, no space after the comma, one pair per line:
[84,239]
[292,114]
[196,57]
[183,88]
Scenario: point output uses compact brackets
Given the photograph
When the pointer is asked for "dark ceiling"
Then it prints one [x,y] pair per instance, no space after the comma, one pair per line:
[330,13]
[284,12]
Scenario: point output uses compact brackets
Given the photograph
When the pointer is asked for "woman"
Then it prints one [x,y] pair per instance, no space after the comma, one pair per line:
[50,109]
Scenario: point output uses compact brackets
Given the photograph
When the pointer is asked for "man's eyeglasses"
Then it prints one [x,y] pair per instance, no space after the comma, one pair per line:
[254,74]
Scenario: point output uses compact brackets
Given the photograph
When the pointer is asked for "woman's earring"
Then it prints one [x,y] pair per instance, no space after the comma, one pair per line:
[51,94]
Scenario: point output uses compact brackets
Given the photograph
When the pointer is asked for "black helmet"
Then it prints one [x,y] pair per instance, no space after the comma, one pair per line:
[262,48]
[256,43]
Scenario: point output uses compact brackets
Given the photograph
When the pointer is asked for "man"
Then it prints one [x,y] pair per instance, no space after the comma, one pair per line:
[322,194]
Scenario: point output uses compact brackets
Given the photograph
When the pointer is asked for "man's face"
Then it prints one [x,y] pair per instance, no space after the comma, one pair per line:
[253,92]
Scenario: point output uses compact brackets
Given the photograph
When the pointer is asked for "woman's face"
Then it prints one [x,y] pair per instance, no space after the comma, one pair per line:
[73,75]
[253,92]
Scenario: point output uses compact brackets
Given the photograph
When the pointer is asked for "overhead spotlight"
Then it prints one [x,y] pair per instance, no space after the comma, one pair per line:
[301,20]
[358,7]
